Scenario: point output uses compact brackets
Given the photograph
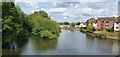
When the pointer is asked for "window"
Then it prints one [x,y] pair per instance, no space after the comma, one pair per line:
[106,24]
[111,23]
[102,21]
[111,26]
[102,27]
[106,27]
[116,27]
[101,24]
[117,22]
[107,21]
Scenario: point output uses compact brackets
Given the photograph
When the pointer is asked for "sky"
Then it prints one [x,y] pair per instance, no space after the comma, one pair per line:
[71,11]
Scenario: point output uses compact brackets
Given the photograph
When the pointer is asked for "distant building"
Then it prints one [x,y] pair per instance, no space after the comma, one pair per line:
[64,25]
[117,25]
[82,25]
[105,23]
[77,26]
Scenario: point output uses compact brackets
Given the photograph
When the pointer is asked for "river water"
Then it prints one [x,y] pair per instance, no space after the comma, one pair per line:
[68,43]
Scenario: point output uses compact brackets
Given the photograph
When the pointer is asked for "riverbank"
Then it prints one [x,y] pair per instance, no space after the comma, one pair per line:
[102,34]
[70,28]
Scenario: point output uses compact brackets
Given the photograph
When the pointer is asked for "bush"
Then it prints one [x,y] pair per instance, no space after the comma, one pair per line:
[73,24]
[82,28]
[110,30]
[90,27]
[53,36]
[45,33]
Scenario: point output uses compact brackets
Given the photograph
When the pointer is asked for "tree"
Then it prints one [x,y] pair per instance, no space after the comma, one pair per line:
[41,13]
[90,27]
[43,26]
[61,23]
[14,23]
[78,23]
[66,23]
[73,24]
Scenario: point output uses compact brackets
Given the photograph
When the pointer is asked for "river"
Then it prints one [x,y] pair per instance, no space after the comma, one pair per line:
[68,43]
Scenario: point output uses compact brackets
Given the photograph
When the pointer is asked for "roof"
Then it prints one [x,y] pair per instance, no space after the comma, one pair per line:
[118,21]
[105,18]
[88,21]
[93,21]
[83,23]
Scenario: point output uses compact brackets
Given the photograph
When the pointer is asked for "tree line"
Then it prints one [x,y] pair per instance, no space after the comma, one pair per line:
[67,23]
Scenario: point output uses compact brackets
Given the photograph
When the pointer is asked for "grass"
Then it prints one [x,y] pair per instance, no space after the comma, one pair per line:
[85,30]
[107,33]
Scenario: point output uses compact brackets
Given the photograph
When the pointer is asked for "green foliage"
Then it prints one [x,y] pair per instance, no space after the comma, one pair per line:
[90,27]
[15,23]
[41,13]
[45,33]
[78,23]
[42,23]
[66,23]
[110,30]
[61,23]
[73,24]
[81,27]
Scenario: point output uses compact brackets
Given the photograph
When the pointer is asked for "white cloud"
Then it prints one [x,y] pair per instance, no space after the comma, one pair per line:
[75,11]
[43,9]
[76,6]
[58,10]
[64,17]
[67,0]
[36,6]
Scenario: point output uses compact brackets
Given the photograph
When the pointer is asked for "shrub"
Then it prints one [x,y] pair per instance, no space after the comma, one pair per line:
[73,24]
[110,30]
[53,36]
[90,27]
[45,33]
[82,28]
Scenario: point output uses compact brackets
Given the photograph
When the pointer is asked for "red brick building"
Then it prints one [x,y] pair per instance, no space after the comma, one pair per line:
[89,20]
[105,23]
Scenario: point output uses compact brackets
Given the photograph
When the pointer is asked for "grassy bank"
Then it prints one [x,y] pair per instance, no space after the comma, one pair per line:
[102,34]
[70,28]
[108,33]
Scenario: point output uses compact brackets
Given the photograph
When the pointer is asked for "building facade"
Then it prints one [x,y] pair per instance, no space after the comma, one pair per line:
[82,25]
[105,23]
[117,25]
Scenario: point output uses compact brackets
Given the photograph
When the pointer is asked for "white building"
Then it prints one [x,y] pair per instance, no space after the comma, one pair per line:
[64,25]
[82,25]
[76,25]
[117,26]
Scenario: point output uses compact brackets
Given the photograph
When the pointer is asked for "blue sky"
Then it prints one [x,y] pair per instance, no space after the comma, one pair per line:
[78,11]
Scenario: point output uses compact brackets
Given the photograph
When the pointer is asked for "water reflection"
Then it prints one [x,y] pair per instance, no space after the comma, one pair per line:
[17,45]
[37,46]
[115,48]
[68,43]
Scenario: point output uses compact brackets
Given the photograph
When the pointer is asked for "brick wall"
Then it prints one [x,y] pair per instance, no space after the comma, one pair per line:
[110,24]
